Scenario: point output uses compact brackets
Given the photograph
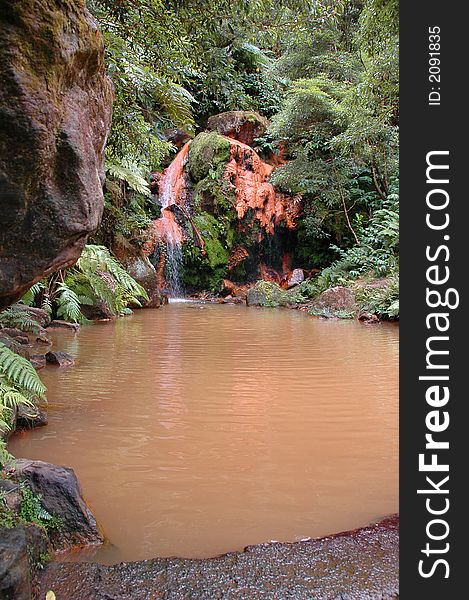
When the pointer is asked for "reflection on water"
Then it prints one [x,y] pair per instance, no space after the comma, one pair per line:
[199,429]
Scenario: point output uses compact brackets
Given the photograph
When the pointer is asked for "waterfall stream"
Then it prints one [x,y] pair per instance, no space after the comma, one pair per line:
[170,232]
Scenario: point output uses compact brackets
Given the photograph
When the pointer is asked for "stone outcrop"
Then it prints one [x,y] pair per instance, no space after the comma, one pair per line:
[55,114]
[295,278]
[140,268]
[337,301]
[61,497]
[61,359]
[242,125]
[21,551]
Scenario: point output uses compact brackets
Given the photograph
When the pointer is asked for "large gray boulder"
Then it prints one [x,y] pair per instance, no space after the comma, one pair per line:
[55,114]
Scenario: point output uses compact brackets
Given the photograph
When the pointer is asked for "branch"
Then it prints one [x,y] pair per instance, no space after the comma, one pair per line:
[345,206]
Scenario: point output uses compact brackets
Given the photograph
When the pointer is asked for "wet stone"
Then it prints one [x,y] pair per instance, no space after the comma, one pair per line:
[357,565]
[62,359]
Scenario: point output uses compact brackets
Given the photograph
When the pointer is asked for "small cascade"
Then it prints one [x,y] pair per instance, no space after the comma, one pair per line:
[245,183]
[171,191]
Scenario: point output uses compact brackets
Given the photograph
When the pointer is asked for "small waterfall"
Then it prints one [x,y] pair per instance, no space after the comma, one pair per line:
[173,267]
[171,192]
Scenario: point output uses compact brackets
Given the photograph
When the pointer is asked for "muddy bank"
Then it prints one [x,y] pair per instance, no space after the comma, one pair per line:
[361,564]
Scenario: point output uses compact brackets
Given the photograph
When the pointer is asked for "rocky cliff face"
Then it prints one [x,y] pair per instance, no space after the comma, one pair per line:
[55,114]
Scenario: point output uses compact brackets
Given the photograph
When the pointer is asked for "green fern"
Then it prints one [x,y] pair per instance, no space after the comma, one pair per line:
[18,318]
[129,173]
[19,384]
[20,373]
[107,279]
[68,305]
[30,296]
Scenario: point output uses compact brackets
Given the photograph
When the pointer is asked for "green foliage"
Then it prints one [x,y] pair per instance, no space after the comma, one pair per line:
[18,318]
[381,300]
[131,174]
[5,457]
[271,295]
[96,278]
[206,270]
[68,304]
[19,384]
[310,113]
[378,250]
[208,154]
[30,511]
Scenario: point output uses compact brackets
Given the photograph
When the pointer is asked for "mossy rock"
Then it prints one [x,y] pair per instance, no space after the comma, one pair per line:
[271,295]
[208,154]
[214,196]
[212,232]
[242,125]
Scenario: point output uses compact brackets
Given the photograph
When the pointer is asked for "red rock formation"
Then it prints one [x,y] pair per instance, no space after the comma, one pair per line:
[248,175]
[172,183]
[237,255]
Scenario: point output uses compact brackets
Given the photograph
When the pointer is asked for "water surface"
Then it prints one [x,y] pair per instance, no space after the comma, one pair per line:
[199,429]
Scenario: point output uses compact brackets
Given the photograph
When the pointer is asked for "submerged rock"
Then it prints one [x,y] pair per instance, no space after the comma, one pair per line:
[242,125]
[368,318]
[38,361]
[62,359]
[55,114]
[30,417]
[61,497]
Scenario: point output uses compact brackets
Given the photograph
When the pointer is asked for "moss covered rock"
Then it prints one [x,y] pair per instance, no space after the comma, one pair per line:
[208,154]
[271,295]
[242,125]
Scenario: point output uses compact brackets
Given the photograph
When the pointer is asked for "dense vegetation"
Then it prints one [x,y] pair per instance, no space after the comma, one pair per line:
[325,74]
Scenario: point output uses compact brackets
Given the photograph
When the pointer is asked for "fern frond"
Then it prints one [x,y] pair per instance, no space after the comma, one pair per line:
[68,305]
[20,319]
[131,175]
[17,370]
[30,296]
